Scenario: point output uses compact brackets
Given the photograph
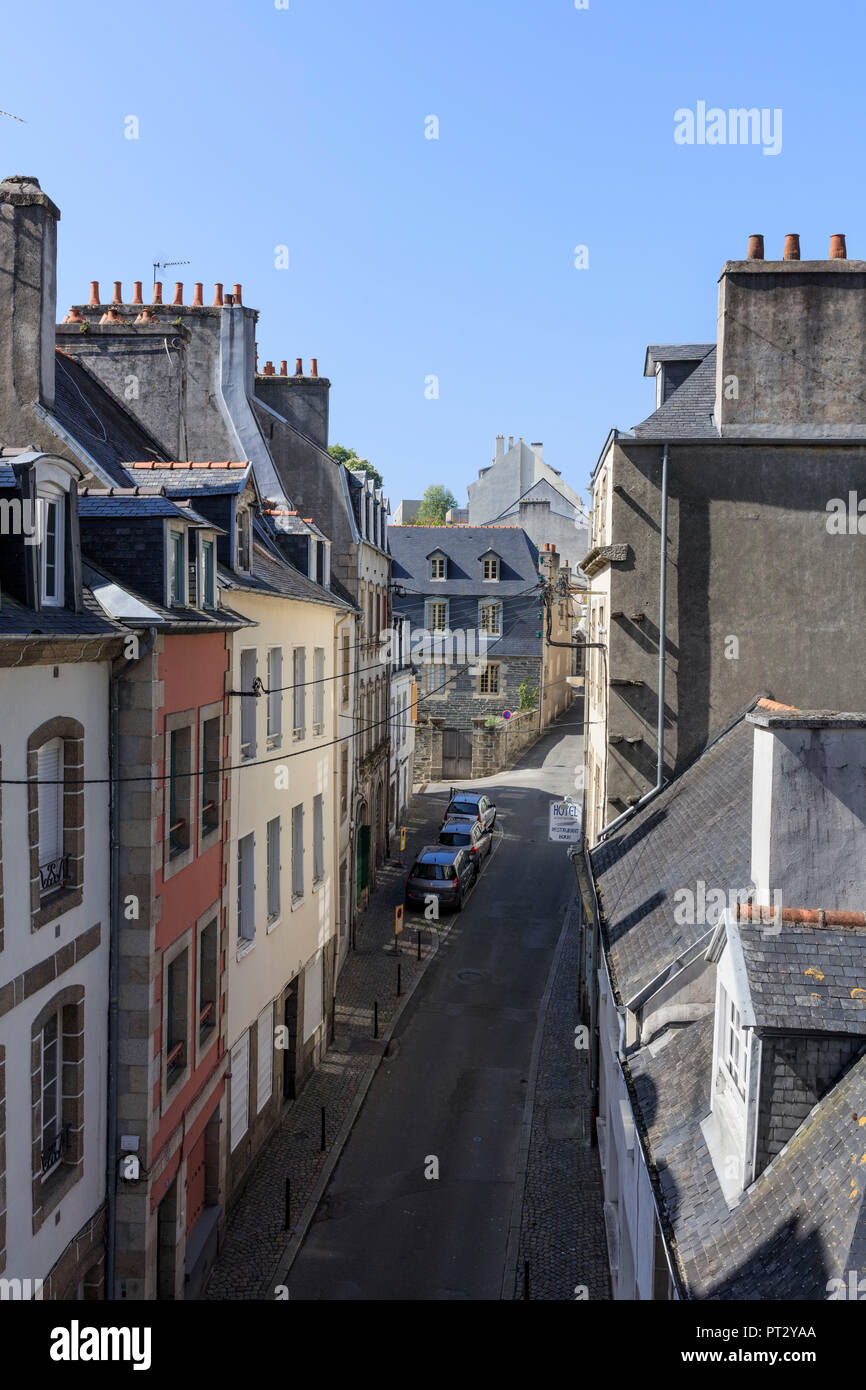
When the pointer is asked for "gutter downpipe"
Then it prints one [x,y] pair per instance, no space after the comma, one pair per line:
[113,964]
[660,721]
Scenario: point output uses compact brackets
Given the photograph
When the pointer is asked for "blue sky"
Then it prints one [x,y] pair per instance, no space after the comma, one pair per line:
[261,127]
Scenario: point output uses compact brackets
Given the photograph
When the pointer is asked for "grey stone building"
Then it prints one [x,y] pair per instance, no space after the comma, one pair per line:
[474,599]
[764,434]
[519,489]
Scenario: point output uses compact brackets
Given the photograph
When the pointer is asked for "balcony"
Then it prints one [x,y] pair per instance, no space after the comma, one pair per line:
[52,1154]
[54,874]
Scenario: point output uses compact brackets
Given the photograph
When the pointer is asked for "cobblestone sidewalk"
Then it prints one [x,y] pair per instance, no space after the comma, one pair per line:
[255,1241]
[562,1226]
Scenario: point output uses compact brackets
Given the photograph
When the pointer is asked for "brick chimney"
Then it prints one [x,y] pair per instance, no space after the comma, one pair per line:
[302,400]
[28,300]
[791,343]
[809,807]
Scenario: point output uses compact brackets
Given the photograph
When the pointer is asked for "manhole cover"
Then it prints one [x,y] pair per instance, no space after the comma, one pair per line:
[470,977]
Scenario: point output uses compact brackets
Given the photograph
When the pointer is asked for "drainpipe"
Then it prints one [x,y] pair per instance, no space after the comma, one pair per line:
[660,723]
[113,956]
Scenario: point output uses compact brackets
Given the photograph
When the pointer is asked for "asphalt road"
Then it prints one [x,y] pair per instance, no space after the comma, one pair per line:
[451,1094]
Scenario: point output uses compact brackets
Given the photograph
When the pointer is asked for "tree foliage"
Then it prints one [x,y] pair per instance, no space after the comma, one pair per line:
[434,504]
[353,462]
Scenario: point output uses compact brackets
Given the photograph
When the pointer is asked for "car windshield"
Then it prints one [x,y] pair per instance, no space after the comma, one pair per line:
[462,808]
[455,837]
[435,871]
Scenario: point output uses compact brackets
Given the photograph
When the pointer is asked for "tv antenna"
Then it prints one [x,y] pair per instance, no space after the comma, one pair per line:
[164,265]
[13,118]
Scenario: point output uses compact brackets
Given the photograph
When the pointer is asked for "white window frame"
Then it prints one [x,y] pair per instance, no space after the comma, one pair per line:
[318,839]
[204,540]
[297,854]
[50,836]
[52,496]
[485,677]
[299,693]
[244,539]
[274,855]
[246,890]
[438,562]
[318,691]
[496,606]
[493,562]
[433,604]
[436,684]
[173,533]
[264,1057]
[735,1045]
[275,697]
[248,701]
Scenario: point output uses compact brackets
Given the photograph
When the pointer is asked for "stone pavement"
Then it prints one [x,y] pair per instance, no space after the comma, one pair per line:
[255,1243]
[562,1227]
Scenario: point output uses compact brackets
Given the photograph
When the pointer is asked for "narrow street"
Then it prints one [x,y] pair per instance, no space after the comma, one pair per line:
[451,1093]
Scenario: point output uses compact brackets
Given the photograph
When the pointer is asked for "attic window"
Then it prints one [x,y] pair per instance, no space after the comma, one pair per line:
[243,530]
[734,1044]
[51,557]
[490,567]
[177,573]
[437,567]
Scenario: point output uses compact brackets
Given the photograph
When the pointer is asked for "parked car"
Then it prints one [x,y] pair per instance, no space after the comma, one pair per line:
[475,804]
[446,871]
[468,833]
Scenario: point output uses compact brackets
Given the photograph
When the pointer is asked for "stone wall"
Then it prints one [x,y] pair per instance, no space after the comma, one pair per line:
[499,747]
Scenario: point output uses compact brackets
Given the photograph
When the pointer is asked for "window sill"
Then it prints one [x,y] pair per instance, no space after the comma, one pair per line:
[298,902]
[244,948]
[275,922]
[318,730]
[298,735]
[55,904]
[317,883]
[274,741]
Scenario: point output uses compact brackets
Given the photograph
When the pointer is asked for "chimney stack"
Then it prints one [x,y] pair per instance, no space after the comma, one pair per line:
[536,449]
[268,369]
[500,447]
[229,300]
[756,248]
[28,301]
[838,249]
[511,441]
[792,247]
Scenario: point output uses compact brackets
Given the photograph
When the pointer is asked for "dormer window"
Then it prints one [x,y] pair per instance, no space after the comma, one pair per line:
[243,530]
[50,502]
[490,567]
[437,567]
[207,572]
[734,1042]
[177,569]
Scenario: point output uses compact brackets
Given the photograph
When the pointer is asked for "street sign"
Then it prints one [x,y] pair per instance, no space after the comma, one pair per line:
[398,919]
[506,714]
[565,825]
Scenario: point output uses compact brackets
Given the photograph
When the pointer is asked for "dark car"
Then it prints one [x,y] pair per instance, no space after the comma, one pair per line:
[444,871]
[466,833]
[475,804]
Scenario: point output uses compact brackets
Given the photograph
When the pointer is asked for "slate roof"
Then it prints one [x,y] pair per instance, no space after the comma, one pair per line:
[16,620]
[803,1221]
[800,1224]
[806,977]
[95,575]
[675,352]
[96,421]
[688,412]
[141,505]
[272,574]
[204,478]
[410,545]
[698,827]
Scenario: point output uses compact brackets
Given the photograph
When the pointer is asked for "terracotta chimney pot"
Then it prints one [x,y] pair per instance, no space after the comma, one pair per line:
[229,300]
[284,367]
[118,292]
[237,294]
[157,291]
[269,369]
[792,247]
[94,292]
[314,366]
[838,249]
[197,293]
[299,366]
[756,248]
[178,293]
[218,295]
[136,291]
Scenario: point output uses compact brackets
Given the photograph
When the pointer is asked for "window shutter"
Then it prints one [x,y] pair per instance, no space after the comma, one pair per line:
[265,1072]
[240,1089]
[49,770]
